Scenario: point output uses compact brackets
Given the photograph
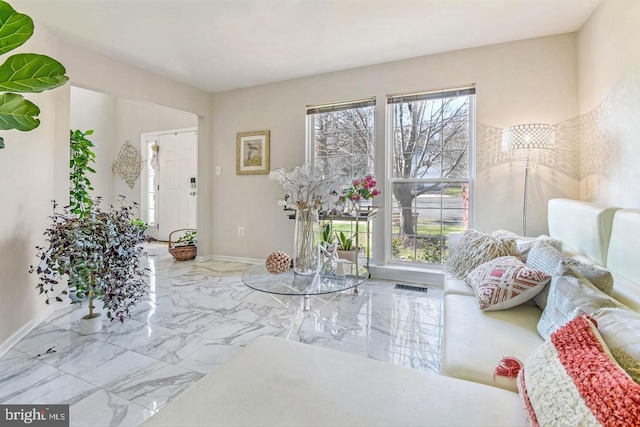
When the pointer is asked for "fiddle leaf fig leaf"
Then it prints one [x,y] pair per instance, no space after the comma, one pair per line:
[15,28]
[16,112]
[31,72]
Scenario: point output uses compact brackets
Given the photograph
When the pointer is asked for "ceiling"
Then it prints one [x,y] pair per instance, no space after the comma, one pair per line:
[217,45]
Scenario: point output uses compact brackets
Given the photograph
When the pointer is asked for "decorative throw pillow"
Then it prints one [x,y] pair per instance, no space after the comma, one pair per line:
[572,380]
[504,283]
[545,257]
[525,245]
[620,329]
[475,248]
[570,297]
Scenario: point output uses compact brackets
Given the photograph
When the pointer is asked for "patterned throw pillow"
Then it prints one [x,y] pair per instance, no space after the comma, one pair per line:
[572,380]
[620,329]
[504,283]
[545,257]
[570,297]
[475,248]
[525,245]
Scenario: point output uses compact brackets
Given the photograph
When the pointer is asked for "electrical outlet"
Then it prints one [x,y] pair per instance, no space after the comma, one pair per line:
[217,170]
[240,231]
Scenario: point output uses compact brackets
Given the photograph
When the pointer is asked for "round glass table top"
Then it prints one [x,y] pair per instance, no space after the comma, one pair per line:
[289,283]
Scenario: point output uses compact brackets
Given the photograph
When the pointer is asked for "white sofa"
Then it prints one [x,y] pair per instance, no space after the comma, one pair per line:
[474,342]
[278,382]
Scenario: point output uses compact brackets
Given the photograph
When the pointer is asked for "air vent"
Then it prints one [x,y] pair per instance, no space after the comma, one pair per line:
[411,288]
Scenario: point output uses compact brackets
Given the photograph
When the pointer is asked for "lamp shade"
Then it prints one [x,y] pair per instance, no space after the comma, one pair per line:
[528,142]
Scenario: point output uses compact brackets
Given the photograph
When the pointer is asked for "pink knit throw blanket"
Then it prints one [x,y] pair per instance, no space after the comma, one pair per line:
[572,379]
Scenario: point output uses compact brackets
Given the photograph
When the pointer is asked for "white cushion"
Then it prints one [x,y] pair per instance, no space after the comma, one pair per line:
[620,329]
[624,247]
[275,382]
[626,292]
[456,286]
[582,226]
[474,341]
[570,297]
[548,259]
[505,282]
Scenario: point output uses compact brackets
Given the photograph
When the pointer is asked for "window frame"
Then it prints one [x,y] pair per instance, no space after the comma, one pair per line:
[389,168]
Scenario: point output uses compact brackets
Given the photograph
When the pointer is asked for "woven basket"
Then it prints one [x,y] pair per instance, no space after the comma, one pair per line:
[184,252]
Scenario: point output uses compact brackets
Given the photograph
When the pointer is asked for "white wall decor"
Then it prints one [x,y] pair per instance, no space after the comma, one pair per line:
[128,164]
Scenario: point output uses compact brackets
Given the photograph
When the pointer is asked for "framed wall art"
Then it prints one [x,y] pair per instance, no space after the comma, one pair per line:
[252,153]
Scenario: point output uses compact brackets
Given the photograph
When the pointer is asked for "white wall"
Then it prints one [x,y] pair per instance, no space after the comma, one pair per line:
[521,82]
[26,187]
[35,166]
[96,111]
[93,71]
[114,121]
[134,118]
[609,70]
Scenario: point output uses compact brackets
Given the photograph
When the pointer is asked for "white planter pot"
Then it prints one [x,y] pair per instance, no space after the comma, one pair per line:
[91,325]
[348,255]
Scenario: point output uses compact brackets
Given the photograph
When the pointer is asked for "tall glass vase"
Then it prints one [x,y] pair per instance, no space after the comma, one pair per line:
[306,253]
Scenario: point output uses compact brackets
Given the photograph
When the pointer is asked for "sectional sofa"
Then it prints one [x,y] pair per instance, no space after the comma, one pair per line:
[278,382]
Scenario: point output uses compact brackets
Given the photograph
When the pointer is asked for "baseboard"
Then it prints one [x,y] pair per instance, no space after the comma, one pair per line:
[22,332]
[408,274]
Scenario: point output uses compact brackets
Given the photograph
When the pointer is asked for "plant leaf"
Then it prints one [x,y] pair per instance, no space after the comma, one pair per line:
[15,28]
[1,142]
[31,72]
[18,113]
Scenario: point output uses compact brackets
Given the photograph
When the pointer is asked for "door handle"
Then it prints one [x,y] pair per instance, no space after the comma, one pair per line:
[193,193]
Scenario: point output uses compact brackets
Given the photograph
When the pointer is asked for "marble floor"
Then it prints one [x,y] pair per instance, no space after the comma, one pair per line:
[197,315]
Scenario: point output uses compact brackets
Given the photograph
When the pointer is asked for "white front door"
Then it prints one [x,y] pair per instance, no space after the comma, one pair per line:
[177,186]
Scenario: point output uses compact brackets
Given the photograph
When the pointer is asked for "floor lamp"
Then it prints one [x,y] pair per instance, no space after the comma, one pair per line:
[527,144]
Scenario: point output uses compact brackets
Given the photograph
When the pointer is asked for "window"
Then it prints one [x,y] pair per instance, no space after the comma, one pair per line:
[430,173]
[152,184]
[342,137]
[341,141]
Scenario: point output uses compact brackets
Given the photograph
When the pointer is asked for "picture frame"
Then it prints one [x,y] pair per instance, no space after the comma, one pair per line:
[252,153]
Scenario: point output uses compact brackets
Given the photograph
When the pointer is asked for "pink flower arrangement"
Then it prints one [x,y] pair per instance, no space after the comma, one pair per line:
[361,189]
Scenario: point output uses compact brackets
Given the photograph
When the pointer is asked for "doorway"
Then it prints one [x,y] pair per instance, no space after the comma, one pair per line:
[171,187]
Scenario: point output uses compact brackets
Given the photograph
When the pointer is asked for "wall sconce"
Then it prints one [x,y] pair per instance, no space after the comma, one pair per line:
[528,145]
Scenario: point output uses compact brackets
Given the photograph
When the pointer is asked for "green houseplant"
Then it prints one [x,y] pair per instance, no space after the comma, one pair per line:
[346,249]
[327,235]
[102,250]
[23,73]
[82,156]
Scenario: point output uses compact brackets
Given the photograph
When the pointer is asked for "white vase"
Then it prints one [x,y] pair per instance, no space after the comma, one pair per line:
[306,250]
[90,325]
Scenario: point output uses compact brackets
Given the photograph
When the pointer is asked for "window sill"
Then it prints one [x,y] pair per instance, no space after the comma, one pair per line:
[404,273]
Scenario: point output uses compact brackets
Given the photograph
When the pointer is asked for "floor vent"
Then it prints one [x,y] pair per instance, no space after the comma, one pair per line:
[411,288]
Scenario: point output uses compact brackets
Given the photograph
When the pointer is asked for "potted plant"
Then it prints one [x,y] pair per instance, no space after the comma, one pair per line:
[360,189]
[23,72]
[101,254]
[185,247]
[346,250]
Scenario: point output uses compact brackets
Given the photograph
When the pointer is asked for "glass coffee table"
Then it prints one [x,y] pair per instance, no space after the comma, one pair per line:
[291,284]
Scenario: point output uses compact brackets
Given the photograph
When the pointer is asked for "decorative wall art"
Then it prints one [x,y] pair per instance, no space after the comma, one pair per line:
[252,153]
[128,164]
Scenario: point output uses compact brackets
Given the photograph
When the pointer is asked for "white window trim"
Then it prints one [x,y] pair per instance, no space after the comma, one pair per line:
[388,196]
